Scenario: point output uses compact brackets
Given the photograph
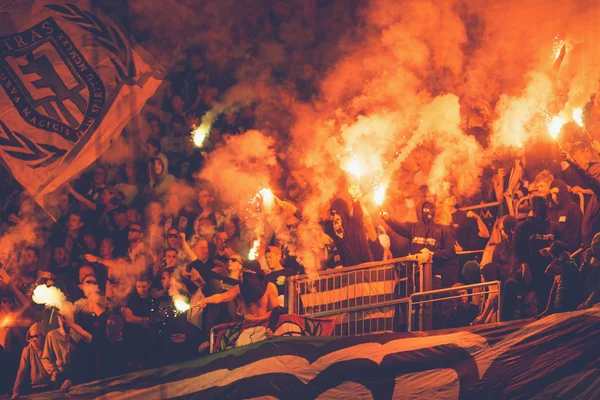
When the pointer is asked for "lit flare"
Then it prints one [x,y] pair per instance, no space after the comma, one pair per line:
[555,126]
[253,254]
[578,116]
[200,134]
[180,304]
[354,168]
[379,195]
[268,197]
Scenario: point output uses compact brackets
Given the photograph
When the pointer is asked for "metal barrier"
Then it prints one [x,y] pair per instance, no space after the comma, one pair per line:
[363,298]
[480,206]
[421,306]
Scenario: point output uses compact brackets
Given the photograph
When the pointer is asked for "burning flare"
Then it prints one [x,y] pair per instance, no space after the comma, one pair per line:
[180,303]
[199,134]
[50,296]
[555,126]
[578,116]
[379,195]
[354,168]
[253,254]
[268,197]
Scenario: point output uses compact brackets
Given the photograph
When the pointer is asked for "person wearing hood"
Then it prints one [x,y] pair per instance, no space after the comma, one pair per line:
[531,236]
[591,177]
[566,213]
[32,373]
[590,273]
[160,179]
[348,232]
[427,236]
[258,296]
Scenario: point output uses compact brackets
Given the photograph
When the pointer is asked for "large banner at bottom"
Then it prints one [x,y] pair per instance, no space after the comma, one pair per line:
[556,357]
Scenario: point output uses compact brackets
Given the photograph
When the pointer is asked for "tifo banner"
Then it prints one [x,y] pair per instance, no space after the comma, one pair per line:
[556,357]
[229,336]
[70,83]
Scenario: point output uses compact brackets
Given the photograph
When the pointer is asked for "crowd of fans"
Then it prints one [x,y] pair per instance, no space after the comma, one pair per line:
[123,260]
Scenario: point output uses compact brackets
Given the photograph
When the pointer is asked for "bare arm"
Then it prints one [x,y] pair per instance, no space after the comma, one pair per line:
[483,230]
[228,296]
[133,319]
[273,297]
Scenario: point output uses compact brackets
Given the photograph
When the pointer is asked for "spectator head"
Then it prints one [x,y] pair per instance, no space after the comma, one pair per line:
[110,195]
[142,285]
[200,248]
[90,242]
[231,228]
[205,199]
[196,61]
[35,337]
[220,240]
[427,212]
[165,280]
[100,175]
[120,216]
[60,255]
[234,265]
[173,238]
[158,167]
[131,172]
[63,203]
[273,256]
[86,271]
[539,207]
[107,247]
[155,126]
[135,234]
[75,221]
[558,248]
[471,272]
[171,257]
[177,104]
[581,152]
[491,272]
[542,182]
[559,192]
[7,302]
[30,257]
[133,215]
[254,283]
[178,125]
[464,299]
[507,226]
[152,147]
[559,252]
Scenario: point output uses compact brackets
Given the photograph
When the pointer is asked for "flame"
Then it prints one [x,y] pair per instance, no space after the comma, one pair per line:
[180,304]
[49,295]
[268,197]
[578,116]
[253,254]
[200,133]
[354,168]
[7,321]
[555,126]
[379,195]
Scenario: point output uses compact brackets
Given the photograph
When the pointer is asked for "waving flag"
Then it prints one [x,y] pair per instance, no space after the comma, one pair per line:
[70,82]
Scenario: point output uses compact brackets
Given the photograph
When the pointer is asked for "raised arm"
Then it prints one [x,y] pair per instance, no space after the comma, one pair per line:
[401,228]
[81,198]
[226,297]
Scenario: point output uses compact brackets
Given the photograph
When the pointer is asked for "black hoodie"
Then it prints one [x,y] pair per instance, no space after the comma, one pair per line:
[353,247]
[567,214]
[435,237]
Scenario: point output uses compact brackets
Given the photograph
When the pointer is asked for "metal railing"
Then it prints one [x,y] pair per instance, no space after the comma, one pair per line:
[480,206]
[422,306]
[348,287]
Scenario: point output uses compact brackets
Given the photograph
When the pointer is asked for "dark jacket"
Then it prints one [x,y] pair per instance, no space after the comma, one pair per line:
[430,235]
[353,248]
[591,216]
[567,214]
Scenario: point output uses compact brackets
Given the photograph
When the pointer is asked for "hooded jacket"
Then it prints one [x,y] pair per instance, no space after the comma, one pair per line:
[159,186]
[353,248]
[31,369]
[567,214]
[591,216]
[435,237]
